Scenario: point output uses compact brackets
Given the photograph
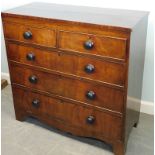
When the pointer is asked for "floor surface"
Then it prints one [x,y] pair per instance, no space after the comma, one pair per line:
[34,138]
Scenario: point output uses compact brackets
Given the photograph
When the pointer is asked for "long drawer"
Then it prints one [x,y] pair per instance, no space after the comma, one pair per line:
[104,46]
[91,121]
[112,73]
[30,34]
[78,90]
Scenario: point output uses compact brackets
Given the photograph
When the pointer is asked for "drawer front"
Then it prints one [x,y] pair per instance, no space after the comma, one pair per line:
[28,34]
[85,92]
[91,68]
[89,120]
[95,45]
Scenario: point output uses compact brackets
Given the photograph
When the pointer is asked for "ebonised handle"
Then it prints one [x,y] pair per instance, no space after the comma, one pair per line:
[89,44]
[36,103]
[27,35]
[30,57]
[90,95]
[90,119]
[33,79]
[89,68]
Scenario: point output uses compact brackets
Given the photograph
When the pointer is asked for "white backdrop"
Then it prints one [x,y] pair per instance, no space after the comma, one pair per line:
[146,5]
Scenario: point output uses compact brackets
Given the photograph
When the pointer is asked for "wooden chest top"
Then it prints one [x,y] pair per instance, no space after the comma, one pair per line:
[123,19]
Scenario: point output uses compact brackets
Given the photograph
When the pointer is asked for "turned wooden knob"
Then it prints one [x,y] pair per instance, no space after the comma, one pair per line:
[27,35]
[33,79]
[90,95]
[89,44]
[36,103]
[30,57]
[89,68]
[90,119]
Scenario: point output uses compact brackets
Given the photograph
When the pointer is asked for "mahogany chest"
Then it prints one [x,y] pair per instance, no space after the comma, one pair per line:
[78,69]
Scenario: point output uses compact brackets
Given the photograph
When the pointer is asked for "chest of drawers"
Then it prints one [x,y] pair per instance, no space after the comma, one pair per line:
[78,69]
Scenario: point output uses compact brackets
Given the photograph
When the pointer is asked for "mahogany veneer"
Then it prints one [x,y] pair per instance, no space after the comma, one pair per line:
[103,45]
[15,31]
[78,69]
[112,73]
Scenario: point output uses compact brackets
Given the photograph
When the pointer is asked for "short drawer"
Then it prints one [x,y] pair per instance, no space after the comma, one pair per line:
[92,122]
[96,45]
[77,90]
[28,34]
[90,68]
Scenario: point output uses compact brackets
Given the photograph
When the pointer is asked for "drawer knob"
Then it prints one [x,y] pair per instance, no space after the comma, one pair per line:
[27,35]
[33,79]
[90,95]
[88,45]
[36,103]
[30,57]
[89,68]
[90,119]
